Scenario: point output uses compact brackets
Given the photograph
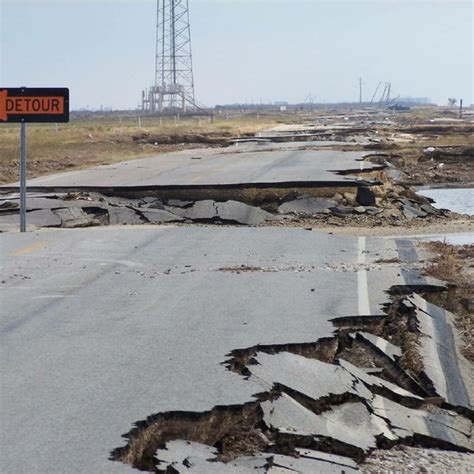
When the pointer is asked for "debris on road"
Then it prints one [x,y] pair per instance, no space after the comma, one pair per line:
[369,403]
[364,393]
[306,206]
[381,205]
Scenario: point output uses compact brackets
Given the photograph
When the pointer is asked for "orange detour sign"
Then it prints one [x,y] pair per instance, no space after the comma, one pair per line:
[31,104]
[25,104]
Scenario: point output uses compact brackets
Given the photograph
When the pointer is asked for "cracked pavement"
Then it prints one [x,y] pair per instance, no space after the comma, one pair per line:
[243,164]
[104,327]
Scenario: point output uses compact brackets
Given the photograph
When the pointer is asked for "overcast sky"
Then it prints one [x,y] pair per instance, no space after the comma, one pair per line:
[244,50]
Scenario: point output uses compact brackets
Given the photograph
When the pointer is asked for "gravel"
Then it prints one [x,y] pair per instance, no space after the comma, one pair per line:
[404,459]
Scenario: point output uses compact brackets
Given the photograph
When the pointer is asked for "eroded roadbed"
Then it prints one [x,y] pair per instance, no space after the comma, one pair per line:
[247,186]
[267,204]
[222,349]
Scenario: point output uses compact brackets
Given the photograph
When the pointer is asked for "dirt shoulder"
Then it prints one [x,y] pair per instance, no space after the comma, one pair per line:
[447,159]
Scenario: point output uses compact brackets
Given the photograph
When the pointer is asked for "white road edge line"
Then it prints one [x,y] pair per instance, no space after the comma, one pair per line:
[362,285]
[430,344]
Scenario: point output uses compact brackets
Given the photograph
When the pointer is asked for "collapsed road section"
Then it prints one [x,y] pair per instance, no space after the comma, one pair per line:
[262,204]
[230,348]
[233,347]
[252,186]
[323,406]
[249,187]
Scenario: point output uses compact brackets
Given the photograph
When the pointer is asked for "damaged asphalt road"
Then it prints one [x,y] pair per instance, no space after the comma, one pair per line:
[218,167]
[140,349]
[93,209]
[89,209]
[252,186]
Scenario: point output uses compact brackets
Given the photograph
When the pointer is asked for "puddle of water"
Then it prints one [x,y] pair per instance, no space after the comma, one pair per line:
[459,200]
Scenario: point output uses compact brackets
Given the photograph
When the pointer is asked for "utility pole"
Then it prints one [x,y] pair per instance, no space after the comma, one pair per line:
[360,90]
[460,108]
[375,93]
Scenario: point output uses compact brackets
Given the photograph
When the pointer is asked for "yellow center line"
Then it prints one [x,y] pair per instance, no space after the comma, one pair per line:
[30,248]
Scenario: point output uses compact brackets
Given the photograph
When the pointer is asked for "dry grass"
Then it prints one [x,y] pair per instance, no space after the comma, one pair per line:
[233,430]
[455,265]
[454,150]
[84,143]
[445,267]
[449,261]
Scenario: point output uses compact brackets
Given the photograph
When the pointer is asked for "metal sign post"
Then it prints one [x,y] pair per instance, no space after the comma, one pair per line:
[23,177]
[24,104]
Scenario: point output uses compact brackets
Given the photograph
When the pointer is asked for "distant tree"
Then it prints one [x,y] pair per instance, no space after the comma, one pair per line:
[452,101]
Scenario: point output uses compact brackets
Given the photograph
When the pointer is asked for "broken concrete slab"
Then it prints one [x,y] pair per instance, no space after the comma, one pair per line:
[374,381]
[441,363]
[232,211]
[304,375]
[43,218]
[201,210]
[307,206]
[392,351]
[241,213]
[429,209]
[350,423]
[72,217]
[39,218]
[179,203]
[177,451]
[365,197]
[9,205]
[445,426]
[124,216]
[244,465]
[373,211]
[55,202]
[158,216]
[155,204]
[286,415]
[396,372]
[124,201]
[410,212]
[189,457]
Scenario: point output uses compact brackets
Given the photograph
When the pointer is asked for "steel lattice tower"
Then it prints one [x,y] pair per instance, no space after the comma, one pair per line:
[174,84]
